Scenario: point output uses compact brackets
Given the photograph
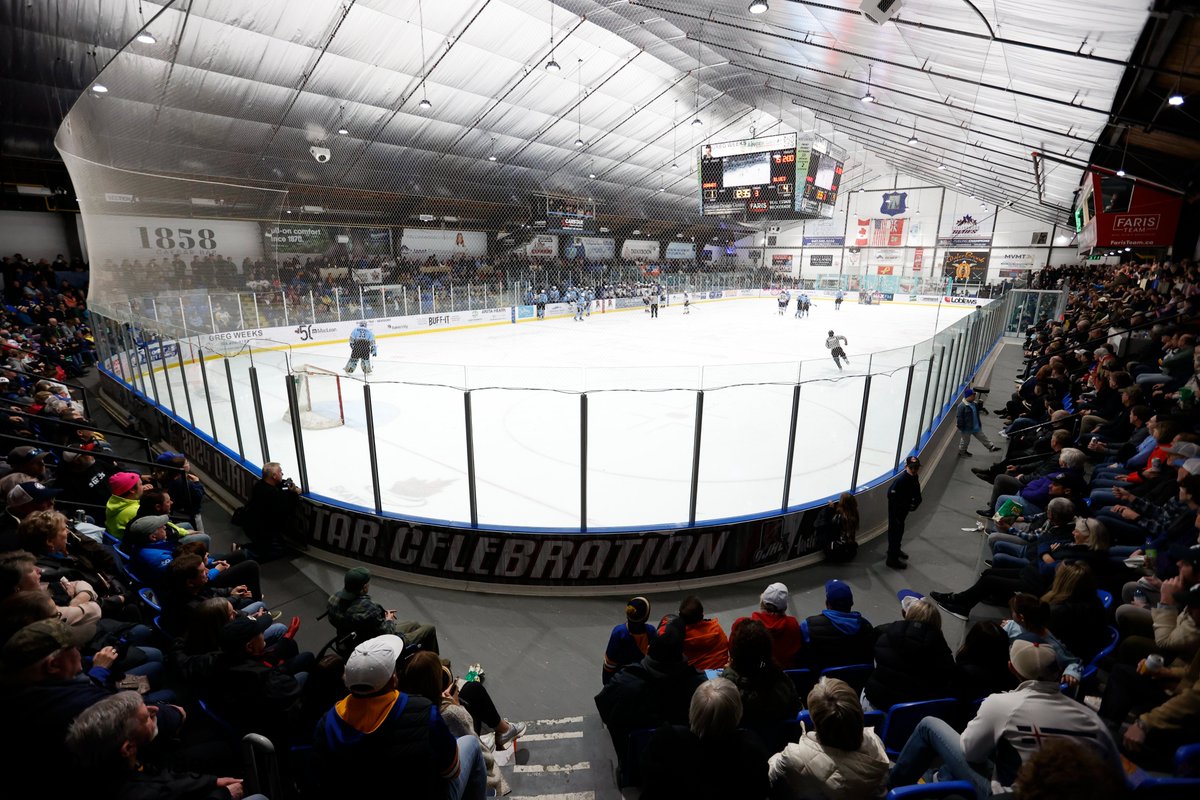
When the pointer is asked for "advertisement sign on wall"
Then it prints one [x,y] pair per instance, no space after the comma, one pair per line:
[640,250]
[966,266]
[681,250]
[326,241]
[543,245]
[143,238]
[418,244]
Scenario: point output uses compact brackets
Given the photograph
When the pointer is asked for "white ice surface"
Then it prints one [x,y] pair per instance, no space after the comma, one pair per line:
[641,376]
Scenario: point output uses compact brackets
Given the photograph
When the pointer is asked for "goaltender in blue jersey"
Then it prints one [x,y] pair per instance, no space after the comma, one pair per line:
[362,347]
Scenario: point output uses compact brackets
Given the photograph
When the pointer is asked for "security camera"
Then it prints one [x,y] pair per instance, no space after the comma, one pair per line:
[321,154]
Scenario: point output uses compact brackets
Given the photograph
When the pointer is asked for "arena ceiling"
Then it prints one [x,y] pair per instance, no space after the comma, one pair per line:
[1007,98]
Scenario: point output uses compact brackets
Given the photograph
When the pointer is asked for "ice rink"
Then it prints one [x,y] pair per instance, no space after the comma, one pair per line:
[641,377]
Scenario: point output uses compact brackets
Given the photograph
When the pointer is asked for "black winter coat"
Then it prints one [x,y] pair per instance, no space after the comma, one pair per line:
[912,662]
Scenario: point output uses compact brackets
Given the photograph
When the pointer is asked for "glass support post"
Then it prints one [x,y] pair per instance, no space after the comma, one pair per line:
[904,413]
[372,453]
[237,426]
[470,430]
[862,430]
[696,458]
[258,415]
[791,449]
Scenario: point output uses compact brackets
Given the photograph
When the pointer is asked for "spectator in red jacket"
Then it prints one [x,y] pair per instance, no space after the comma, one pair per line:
[786,641]
[705,645]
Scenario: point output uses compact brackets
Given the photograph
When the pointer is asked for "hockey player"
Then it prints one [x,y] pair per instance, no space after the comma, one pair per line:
[834,343]
[581,305]
[837,300]
[654,305]
[687,303]
[801,304]
[362,347]
[540,302]
[784,299]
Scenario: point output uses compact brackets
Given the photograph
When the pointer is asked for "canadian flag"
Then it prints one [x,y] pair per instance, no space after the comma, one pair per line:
[862,239]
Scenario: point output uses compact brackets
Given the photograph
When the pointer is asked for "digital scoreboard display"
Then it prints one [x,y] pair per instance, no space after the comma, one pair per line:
[564,215]
[819,187]
[749,178]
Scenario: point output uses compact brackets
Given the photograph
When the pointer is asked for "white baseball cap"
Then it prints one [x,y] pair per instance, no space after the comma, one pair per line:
[373,663]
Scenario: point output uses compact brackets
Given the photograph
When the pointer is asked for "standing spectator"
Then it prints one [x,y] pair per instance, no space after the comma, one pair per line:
[269,518]
[838,636]
[969,425]
[630,641]
[353,610]
[904,496]
[839,759]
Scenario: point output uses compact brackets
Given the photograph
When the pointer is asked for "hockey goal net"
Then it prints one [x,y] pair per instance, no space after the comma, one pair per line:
[318,398]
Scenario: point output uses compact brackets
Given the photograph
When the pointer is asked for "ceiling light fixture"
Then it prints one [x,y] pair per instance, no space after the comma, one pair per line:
[492,150]
[343,132]
[552,65]
[146,37]
[867,96]
[696,123]
[579,142]
[759,7]
[424,104]
[942,166]
[99,88]
[1176,99]
[1124,153]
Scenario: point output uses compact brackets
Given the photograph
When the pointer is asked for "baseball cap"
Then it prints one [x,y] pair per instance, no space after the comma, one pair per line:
[23,455]
[168,457]
[637,609]
[123,482]
[1190,555]
[913,461]
[30,492]
[907,597]
[1190,598]
[355,579]
[1192,465]
[969,392]
[144,526]
[1034,661]
[372,664]
[838,592]
[238,632]
[1184,449]
[776,596]
[39,639]
[71,455]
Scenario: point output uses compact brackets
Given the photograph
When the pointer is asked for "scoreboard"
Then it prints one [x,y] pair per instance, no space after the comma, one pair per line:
[749,178]
[563,215]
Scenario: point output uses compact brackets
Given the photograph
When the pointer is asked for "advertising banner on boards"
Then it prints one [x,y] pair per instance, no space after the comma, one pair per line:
[418,244]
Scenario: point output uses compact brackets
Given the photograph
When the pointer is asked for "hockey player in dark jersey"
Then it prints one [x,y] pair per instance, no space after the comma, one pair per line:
[834,343]
[362,347]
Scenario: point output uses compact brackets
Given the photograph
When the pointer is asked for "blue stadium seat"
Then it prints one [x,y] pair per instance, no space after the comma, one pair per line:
[871,719]
[932,791]
[854,674]
[1167,789]
[903,718]
[1187,761]
[804,680]
[150,599]
[1106,598]
[1114,638]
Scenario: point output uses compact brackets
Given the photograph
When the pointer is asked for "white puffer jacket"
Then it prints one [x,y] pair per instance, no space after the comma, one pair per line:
[815,771]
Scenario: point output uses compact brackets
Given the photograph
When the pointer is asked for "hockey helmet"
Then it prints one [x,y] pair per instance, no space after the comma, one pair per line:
[831,333]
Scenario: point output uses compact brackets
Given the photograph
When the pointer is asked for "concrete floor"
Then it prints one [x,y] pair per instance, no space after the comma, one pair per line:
[543,655]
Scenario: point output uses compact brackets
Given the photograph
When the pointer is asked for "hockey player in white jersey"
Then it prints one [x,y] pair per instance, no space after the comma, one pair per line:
[834,344]
[362,347]
[783,298]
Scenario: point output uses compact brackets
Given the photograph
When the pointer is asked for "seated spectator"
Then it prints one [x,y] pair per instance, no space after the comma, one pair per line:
[1024,541]
[704,645]
[1167,701]
[464,705]
[999,731]
[786,639]
[1068,482]
[352,610]
[1162,629]
[122,505]
[912,660]
[836,528]
[269,519]
[42,670]
[19,572]
[168,478]
[107,743]
[768,695]
[628,642]
[839,759]
[185,587]
[656,691]
[21,501]
[981,663]
[157,502]
[1077,615]
[711,759]
[838,636]
[377,733]
[1061,769]
[31,461]
[82,479]
[1029,619]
